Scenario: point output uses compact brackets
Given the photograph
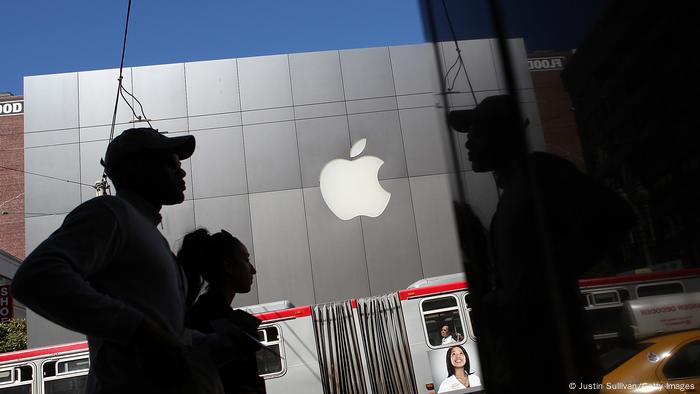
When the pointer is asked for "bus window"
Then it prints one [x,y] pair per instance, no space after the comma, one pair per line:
[26,373]
[606,321]
[606,297]
[270,358]
[605,316]
[66,376]
[67,385]
[659,289]
[81,364]
[7,376]
[17,380]
[467,303]
[624,295]
[442,320]
[586,299]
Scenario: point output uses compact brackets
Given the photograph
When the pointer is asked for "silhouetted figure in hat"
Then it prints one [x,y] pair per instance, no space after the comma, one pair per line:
[108,273]
[552,223]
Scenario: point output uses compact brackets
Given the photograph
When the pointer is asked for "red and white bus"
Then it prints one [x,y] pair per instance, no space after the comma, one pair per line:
[383,344]
[53,369]
[605,299]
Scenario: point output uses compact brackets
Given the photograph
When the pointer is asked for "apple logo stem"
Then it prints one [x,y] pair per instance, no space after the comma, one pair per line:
[351,188]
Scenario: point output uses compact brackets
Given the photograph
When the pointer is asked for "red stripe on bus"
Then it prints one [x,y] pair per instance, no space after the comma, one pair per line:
[43,351]
[428,290]
[647,276]
[285,314]
[643,277]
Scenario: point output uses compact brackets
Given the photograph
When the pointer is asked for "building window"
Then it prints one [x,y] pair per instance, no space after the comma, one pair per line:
[443,321]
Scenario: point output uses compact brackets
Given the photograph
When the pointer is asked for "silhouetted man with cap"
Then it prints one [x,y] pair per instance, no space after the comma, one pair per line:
[552,223]
[108,273]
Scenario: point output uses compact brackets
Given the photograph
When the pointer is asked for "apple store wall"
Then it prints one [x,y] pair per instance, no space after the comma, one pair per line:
[330,166]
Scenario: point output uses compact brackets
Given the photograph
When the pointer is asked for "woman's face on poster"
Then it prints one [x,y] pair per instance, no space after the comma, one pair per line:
[457,358]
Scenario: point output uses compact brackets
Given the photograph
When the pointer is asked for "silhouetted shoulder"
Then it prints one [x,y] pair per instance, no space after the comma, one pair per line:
[549,165]
[544,158]
[106,208]
[111,203]
[97,219]
[209,306]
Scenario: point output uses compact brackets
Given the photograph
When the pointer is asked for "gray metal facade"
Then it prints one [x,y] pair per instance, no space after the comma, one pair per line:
[265,126]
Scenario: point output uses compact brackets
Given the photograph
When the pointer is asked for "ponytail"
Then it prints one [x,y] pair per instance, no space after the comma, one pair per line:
[192,257]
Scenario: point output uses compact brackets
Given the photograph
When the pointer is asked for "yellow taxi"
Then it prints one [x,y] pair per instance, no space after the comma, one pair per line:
[662,364]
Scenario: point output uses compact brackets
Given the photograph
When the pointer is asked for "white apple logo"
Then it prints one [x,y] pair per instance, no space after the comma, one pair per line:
[351,188]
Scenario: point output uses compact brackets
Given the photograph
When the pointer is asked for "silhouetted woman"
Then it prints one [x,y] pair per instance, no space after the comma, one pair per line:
[222,262]
[459,377]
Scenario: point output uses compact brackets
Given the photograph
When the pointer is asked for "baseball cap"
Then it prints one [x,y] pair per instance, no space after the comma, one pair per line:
[491,109]
[144,139]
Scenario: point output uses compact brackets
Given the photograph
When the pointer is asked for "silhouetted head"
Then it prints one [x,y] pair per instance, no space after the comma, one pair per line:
[457,358]
[220,259]
[147,162]
[445,331]
[492,131]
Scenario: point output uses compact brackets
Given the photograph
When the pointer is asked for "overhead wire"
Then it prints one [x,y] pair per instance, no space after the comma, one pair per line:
[46,176]
[11,199]
[29,214]
[447,75]
[121,93]
[102,187]
[145,118]
[121,72]
[26,214]
[459,57]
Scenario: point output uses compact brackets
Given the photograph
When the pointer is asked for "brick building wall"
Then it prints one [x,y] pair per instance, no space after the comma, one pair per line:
[11,181]
[554,105]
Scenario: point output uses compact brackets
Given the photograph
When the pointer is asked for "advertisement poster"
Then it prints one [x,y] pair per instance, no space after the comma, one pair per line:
[453,366]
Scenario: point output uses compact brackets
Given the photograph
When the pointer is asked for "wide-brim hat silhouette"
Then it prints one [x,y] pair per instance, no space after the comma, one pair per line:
[492,109]
[146,139]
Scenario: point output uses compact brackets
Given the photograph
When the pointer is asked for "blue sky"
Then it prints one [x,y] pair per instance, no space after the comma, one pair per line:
[55,36]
